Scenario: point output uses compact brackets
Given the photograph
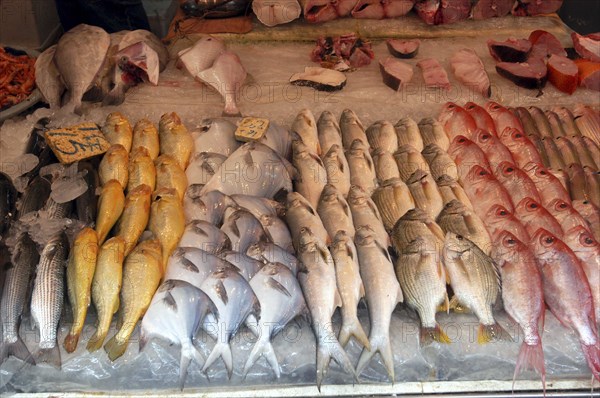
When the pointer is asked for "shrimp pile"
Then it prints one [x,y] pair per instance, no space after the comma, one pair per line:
[17,78]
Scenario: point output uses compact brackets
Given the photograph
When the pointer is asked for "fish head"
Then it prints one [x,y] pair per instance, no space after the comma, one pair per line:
[546,246]
[358,147]
[575,170]
[449,111]
[142,190]
[300,150]
[419,176]
[585,207]
[528,208]
[483,138]
[349,117]
[168,121]
[357,194]
[446,181]
[365,235]
[431,150]
[498,214]
[459,144]
[456,246]
[454,207]
[416,214]
[138,63]
[479,175]
[508,248]
[165,195]
[333,151]
[506,171]
[329,194]
[494,109]
[558,206]
[341,238]
[579,238]
[296,200]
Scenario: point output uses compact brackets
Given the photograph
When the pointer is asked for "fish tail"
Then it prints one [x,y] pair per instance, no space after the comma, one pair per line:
[221,349]
[488,333]
[592,355]
[382,346]
[71,341]
[263,347]
[48,355]
[429,335]
[531,357]
[325,352]
[17,349]
[115,348]
[189,353]
[96,341]
[351,327]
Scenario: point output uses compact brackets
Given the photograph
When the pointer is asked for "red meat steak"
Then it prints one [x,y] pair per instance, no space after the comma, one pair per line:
[563,73]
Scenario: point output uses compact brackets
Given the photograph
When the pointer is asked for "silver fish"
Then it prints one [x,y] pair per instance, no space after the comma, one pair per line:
[365,212]
[235,301]
[337,169]
[300,214]
[440,163]
[318,283]
[352,129]
[335,212]
[14,295]
[423,280]
[201,55]
[193,265]
[259,207]
[243,230]
[350,287]
[385,165]
[591,214]
[203,166]
[281,300]
[312,175]
[409,159]
[329,132]
[203,235]
[382,135]
[47,298]
[279,139]
[268,252]
[362,169]
[393,199]
[226,75]
[305,126]
[425,193]
[408,133]
[174,315]
[216,136]
[246,265]
[253,169]
[432,132]
[208,207]
[382,292]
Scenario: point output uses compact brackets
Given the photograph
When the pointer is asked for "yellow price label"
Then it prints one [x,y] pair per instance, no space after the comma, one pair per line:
[251,129]
[74,143]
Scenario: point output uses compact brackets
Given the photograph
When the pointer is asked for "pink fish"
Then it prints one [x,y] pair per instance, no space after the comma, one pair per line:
[566,215]
[534,216]
[469,70]
[503,118]
[591,214]
[523,298]
[434,74]
[456,121]
[548,186]
[499,219]
[467,154]
[587,250]
[494,150]
[567,293]
[483,119]
[484,191]
[378,9]
[521,147]
[517,182]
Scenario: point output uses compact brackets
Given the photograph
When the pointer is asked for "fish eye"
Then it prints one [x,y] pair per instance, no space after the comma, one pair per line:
[461,140]
[562,205]
[549,240]
[543,172]
[511,241]
[482,172]
[503,212]
[459,237]
[509,169]
[588,241]
[533,205]
[518,135]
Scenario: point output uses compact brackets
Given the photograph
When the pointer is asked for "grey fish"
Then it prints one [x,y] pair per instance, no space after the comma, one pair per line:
[14,295]
[328,131]
[425,193]
[193,265]
[352,129]
[79,56]
[203,166]
[527,121]
[281,300]
[382,135]
[268,252]
[243,230]
[8,199]
[279,139]
[365,212]
[259,207]
[305,126]
[408,133]
[47,298]
[209,206]
[335,212]
[541,121]
[385,165]
[35,196]
[203,235]
[362,169]
[318,283]
[312,175]
[247,266]
[337,169]
[216,136]
[235,301]
[174,315]
[432,132]
[382,292]
[414,224]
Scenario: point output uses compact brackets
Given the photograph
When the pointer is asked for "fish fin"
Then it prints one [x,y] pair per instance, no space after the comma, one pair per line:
[341,165]
[170,302]
[368,160]
[116,96]
[223,350]
[262,347]
[455,306]
[531,357]
[115,348]
[17,349]
[592,356]
[382,345]
[50,356]
[362,289]
[189,353]
[399,295]
[542,320]
[71,341]
[327,351]
[278,286]
[248,159]
[488,333]
[351,327]
[222,292]
[429,335]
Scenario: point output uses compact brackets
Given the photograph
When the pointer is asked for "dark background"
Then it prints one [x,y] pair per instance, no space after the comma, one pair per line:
[583,16]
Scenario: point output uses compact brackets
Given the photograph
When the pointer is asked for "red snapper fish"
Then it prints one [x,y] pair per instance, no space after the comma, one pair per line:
[503,118]
[494,150]
[484,191]
[498,219]
[521,147]
[534,216]
[548,186]
[482,118]
[467,154]
[517,182]
[456,121]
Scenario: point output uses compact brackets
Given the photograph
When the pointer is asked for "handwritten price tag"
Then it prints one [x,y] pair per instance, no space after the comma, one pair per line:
[78,142]
[251,129]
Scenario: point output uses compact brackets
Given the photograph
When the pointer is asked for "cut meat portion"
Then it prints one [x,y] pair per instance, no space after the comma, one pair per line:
[524,8]
[321,79]
[272,13]
[511,50]
[342,52]
[437,12]
[545,44]
[317,11]
[397,8]
[427,10]
[403,48]
[395,73]
[589,74]
[434,74]
[528,75]
[344,7]
[469,70]
[361,57]
[484,9]
[588,47]
[368,9]
[563,74]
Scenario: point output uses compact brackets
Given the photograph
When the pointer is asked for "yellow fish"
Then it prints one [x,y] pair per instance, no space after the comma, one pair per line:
[145,135]
[135,216]
[170,175]
[114,165]
[117,130]
[175,140]
[110,207]
[167,221]
[141,169]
